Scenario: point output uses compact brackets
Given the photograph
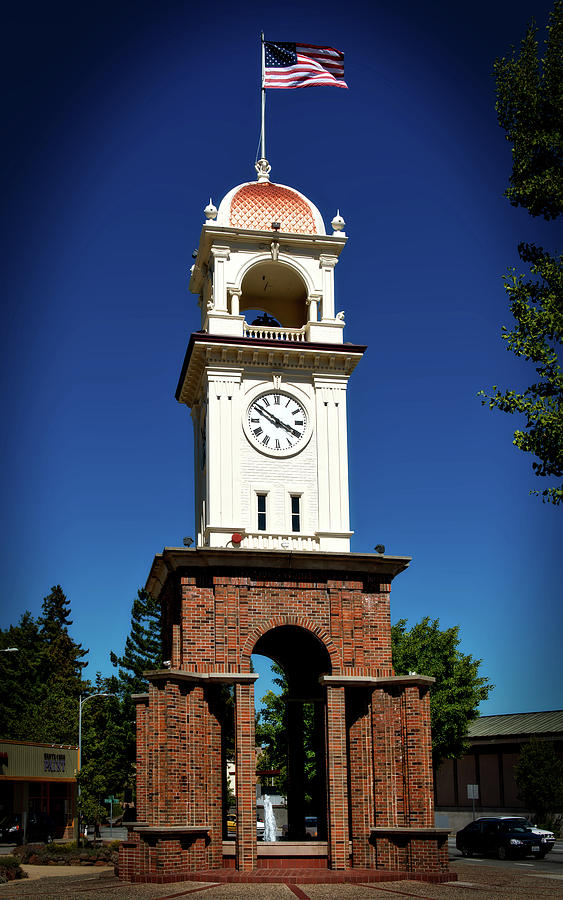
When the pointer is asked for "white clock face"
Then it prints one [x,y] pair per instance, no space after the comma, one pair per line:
[277,423]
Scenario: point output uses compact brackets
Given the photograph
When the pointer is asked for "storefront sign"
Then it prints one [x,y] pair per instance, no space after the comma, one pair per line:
[54,762]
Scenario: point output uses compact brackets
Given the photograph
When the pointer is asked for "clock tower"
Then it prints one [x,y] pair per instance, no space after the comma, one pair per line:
[271,573]
[266,376]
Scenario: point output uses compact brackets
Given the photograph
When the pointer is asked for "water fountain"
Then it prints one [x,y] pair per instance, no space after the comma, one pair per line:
[270,829]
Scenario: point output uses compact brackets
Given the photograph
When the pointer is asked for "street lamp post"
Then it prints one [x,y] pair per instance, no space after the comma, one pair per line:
[81,702]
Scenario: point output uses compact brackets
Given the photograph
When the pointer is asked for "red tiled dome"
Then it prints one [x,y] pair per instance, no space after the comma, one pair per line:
[257,204]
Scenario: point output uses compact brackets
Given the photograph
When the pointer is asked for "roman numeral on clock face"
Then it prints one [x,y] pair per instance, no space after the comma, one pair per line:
[257,432]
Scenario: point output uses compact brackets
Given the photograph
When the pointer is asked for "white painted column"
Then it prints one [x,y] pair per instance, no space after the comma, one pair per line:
[223,465]
[312,304]
[220,256]
[327,264]
[332,462]
[235,301]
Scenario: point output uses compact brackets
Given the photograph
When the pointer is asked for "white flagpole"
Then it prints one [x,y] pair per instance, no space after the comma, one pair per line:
[263,132]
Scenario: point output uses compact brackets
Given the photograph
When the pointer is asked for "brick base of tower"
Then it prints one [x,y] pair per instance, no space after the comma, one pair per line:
[217,607]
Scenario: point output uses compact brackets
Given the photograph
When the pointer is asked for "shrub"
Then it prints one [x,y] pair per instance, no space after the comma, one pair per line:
[68,853]
[10,869]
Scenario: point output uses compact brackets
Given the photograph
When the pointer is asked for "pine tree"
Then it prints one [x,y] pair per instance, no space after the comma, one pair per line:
[21,682]
[42,681]
[143,650]
[108,725]
[63,655]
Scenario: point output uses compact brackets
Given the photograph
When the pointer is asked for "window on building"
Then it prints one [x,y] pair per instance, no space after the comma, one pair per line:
[296,513]
[261,505]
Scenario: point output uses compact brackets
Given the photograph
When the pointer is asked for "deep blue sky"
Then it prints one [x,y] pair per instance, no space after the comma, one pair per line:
[123,119]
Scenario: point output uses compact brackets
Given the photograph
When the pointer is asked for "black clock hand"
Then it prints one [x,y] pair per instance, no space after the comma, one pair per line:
[277,422]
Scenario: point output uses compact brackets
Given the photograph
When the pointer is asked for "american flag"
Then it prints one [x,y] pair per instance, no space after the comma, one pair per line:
[288,65]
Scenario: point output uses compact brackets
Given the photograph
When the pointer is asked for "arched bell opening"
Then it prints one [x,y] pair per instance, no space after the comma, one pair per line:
[276,289]
[295,758]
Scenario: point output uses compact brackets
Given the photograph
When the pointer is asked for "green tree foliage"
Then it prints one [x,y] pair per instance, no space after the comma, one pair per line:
[105,764]
[42,681]
[143,649]
[425,649]
[537,307]
[271,734]
[530,110]
[271,730]
[529,107]
[21,683]
[108,724]
[458,689]
[539,779]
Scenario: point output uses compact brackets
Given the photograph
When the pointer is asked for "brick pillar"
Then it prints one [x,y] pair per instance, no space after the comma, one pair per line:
[245,753]
[418,757]
[141,710]
[337,779]
[170,771]
[361,777]
[387,759]
[295,771]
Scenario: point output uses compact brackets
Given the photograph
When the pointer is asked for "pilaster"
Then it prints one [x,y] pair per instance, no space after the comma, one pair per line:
[327,264]
[245,753]
[223,466]
[337,778]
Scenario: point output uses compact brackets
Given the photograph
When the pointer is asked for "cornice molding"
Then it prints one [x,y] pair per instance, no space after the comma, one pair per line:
[220,350]
[373,566]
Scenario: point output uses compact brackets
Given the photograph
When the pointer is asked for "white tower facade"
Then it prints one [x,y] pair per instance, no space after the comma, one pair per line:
[266,377]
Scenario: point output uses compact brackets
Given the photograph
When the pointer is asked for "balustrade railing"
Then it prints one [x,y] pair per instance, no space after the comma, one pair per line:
[259,541]
[272,333]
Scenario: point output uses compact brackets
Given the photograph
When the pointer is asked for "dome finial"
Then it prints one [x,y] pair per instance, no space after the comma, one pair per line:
[338,224]
[210,210]
[263,168]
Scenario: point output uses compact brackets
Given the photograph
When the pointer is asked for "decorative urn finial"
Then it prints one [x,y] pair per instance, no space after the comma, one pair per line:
[263,168]
[338,222]
[210,210]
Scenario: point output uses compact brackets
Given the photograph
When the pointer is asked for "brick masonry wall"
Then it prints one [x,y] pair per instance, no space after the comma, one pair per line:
[221,620]
[361,775]
[377,738]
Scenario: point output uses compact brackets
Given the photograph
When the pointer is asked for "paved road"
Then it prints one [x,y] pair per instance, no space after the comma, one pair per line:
[552,865]
[475,883]
[482,878]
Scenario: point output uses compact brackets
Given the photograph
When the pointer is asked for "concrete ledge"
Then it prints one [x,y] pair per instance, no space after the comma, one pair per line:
[213,677]
[171,829]
[377,681]
[284,849]
[409,831]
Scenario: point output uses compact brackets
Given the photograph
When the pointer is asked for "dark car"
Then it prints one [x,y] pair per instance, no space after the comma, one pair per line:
[501,837]
[39,828]
[11,830]
[547,838]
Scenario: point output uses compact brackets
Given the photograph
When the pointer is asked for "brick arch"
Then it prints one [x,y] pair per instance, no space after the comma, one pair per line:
[300,622]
